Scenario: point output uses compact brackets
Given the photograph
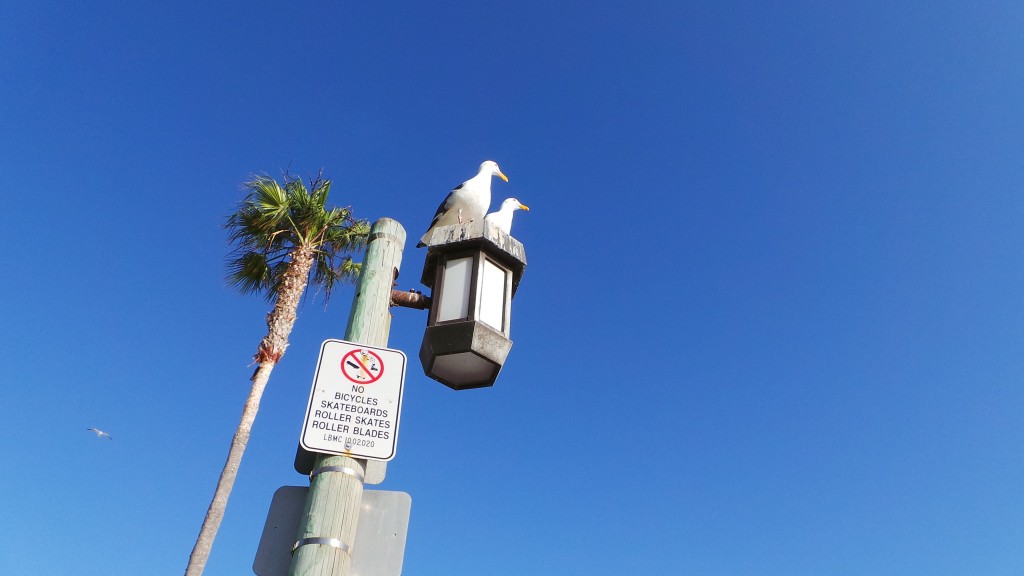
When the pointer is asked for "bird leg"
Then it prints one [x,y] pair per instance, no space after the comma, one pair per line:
[460,215]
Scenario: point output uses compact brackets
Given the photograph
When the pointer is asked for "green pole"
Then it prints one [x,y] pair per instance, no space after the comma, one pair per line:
[328,525]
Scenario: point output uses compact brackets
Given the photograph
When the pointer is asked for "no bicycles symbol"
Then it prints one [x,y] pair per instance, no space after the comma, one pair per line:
[362,366]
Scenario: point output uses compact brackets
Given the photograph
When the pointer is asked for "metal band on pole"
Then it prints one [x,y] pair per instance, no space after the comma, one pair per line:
[332,542]
[343,469]
[385,235]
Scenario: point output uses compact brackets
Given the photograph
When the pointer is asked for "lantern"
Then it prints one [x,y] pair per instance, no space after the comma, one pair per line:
[473,270]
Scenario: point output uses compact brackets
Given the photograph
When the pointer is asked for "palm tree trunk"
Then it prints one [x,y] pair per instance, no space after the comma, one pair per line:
[279,325]
[215,513]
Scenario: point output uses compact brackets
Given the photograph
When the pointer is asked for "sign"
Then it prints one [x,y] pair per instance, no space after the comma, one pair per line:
[355,401]
[379,547]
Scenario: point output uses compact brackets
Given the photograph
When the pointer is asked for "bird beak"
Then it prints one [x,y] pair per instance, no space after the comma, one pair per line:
[502,176]
[524,207]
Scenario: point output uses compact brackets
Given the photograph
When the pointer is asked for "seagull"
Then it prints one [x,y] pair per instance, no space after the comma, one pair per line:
[503,217]
[99,433]
[469,201]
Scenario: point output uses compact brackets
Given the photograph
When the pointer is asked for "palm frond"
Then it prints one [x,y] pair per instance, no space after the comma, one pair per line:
[327,273]
[321,188]
[268,195]
[348,237]
[250,272]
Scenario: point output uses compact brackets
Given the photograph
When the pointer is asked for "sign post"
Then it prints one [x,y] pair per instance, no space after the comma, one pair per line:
[356,400]
[327,526]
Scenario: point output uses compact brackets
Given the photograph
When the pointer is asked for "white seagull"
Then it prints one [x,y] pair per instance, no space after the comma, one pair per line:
[469,201]
[99,433]
[503,217]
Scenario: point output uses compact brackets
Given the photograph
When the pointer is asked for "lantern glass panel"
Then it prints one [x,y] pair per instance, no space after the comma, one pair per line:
[454,302]
[492,295]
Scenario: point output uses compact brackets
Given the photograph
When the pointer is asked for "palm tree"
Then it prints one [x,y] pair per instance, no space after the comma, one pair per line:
[283,237]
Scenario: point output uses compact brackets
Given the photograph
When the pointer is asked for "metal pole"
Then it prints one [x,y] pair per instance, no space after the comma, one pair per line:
[328,526]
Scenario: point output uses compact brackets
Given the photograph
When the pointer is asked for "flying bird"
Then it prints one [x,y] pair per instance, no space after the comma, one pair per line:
[469,201]
[503,217]
[99,433]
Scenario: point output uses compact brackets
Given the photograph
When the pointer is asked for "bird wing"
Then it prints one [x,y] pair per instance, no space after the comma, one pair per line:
[446,204]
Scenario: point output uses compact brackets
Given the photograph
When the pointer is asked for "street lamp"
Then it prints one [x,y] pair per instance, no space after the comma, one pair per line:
[473,270]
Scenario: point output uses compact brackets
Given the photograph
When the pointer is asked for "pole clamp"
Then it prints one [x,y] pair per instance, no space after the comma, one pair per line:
[332,542]
[343,469]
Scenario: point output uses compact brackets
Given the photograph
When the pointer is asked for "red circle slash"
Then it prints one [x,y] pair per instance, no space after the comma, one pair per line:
[362,366]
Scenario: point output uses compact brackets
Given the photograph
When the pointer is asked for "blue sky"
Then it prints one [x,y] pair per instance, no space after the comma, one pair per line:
[771,323]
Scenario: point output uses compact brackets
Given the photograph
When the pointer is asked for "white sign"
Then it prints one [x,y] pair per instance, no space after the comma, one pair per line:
[355,401]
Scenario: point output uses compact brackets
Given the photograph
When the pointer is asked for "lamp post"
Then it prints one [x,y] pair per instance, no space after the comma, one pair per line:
[328,523]
[473,270]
